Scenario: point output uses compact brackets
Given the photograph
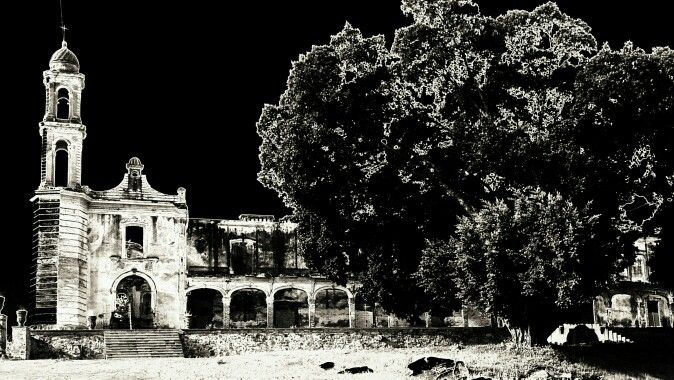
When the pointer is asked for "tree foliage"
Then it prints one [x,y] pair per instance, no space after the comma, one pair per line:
[378,150]
[520,259]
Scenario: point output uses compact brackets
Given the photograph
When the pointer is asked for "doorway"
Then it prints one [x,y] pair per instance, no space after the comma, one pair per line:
[133,304]
[653,314]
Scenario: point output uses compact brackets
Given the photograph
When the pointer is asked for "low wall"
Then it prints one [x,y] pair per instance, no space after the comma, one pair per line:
[67,344]
[207,343]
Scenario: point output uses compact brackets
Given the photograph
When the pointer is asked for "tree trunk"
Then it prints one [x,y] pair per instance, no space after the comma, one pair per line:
[521,335]
[533,334]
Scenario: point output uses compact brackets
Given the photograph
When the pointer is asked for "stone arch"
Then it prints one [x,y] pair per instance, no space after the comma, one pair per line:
[247,307]
[222,292]
[622,310]
[138,273]
[146,309]
[332,307]
[249,286]
[291,307]
[205,307]
[348,292]
[304,287]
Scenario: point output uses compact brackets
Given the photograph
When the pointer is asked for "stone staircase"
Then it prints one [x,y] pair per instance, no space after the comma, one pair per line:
[143,344]
[602,334]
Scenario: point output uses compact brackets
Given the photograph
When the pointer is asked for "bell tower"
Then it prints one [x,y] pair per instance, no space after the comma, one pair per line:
[61,204]
[61,128]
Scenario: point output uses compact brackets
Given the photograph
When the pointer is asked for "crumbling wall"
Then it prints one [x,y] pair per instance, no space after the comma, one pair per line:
[207,343]
[71,344]
[242,247]
[162,263]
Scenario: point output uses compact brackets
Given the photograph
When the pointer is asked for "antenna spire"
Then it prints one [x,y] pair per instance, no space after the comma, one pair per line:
[63,26]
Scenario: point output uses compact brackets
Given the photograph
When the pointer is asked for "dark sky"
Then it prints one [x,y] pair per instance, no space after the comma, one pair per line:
[181,85]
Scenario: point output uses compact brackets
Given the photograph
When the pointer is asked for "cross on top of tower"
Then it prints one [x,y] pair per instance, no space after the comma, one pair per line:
[63,30]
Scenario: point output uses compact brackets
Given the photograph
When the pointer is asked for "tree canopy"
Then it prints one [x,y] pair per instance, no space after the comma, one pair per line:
[393,158]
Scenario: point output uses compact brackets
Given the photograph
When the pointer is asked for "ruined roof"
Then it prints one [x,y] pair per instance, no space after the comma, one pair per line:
[64,60]
[145,193]
[134,186]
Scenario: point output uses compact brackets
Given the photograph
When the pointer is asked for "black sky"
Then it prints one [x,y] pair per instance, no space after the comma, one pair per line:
[181,85]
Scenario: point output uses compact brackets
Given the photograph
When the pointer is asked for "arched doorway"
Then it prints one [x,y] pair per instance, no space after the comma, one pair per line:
[133,300]
[622,312]
[332,308]
[291,308]
[205,307]
[248,308]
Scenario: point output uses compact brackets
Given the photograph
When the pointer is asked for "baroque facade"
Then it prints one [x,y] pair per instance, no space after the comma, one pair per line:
[133,256]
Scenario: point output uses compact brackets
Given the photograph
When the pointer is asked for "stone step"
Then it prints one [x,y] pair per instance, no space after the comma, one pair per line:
[137,355]
[143,343]
[155,353]
[142,356]
[172,339]
[135,352]
[143,347]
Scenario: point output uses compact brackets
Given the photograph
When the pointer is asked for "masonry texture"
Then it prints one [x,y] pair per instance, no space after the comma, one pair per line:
[205,343]
[67,345]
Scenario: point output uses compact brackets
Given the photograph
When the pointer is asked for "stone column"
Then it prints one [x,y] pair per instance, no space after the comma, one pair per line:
[3,335]
[20,343]
[352,312]
[226,302]
[312,311]
[270,311]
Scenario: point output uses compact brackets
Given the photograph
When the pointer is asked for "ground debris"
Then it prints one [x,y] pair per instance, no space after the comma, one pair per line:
[354,370]
[328,365]
[428,363]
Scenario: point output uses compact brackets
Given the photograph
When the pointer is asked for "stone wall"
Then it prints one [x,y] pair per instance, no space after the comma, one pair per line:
[67,344]
[207,343]
[161,265]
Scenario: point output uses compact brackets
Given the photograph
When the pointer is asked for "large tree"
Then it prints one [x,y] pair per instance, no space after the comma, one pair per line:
[324,150]
[377,150]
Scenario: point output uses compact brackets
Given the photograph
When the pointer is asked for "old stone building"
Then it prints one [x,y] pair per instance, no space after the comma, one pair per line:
[636,302]
[133,255]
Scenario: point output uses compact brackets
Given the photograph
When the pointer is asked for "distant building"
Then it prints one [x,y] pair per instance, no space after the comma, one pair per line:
[635,301]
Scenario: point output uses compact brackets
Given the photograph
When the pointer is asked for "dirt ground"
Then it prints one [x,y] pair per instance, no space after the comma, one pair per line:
[494,361]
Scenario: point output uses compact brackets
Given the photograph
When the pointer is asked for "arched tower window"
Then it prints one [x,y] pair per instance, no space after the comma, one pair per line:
[63,104]
[61,164]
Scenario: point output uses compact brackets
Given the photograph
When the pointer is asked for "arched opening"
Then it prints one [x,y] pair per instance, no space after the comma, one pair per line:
[248,308]
[204,307]
[63,104]
[133,301]
[332,308]
[291,308]
[621,312]
[61,164]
